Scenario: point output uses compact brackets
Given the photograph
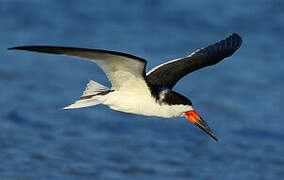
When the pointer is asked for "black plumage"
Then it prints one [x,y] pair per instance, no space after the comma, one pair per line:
[170,73]
[174,98]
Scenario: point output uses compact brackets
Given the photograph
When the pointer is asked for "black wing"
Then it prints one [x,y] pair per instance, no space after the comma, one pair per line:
[168,74]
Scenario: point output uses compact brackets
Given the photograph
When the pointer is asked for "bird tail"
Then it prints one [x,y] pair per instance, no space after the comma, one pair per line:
[91,96]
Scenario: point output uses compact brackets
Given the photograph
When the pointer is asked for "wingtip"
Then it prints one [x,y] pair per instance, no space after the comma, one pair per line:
[18,48]
[231,43]
[237,39]
[40,49]
[236,34]
[12,48]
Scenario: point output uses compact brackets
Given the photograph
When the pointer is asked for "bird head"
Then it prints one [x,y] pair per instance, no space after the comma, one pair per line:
[170,97]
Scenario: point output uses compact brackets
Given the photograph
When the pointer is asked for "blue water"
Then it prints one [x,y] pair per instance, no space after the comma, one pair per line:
[241,98]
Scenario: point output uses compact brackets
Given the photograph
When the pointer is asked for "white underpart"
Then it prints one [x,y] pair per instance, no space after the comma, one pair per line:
[136,100]
[140,101]
[130,92]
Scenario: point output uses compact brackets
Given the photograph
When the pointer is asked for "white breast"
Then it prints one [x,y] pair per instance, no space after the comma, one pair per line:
[141,102]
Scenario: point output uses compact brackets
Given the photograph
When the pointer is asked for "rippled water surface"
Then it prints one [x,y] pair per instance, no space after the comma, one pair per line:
[240,98]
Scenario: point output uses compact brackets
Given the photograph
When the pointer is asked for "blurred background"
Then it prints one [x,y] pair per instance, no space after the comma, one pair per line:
[241,98]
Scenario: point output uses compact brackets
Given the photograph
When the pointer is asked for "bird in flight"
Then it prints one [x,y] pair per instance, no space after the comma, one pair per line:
[135,91]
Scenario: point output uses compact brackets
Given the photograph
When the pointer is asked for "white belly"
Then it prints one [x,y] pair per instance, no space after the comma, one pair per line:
[141,102]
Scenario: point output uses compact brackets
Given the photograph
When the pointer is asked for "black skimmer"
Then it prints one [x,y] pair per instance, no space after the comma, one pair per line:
[134,91]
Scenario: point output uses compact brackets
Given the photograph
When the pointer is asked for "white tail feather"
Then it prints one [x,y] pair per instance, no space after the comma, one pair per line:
[94,88]
[82,103]
[89,97]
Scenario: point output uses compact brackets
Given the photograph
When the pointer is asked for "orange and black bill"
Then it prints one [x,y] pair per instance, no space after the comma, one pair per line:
[193,117]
